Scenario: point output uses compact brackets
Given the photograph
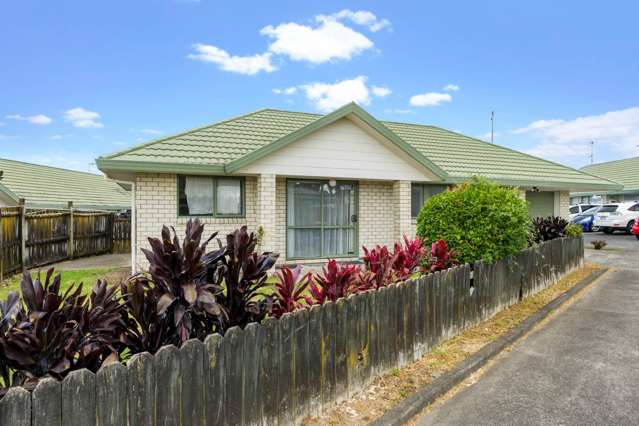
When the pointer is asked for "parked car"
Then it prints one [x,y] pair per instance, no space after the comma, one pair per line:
[586,219]
[617,217]
[577,209]
[635,229]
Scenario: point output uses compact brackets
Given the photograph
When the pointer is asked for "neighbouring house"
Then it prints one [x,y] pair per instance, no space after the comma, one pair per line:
[625,172]
[320,186]
[44,187]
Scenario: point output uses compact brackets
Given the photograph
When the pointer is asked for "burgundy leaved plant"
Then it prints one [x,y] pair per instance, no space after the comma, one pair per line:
[408,257]
[380,262]
[334,282]
[244,273]
[178,288]
[441,257]
[289,290]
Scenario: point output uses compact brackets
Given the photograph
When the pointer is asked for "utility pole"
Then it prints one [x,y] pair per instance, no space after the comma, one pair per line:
[592,152]
[492,127]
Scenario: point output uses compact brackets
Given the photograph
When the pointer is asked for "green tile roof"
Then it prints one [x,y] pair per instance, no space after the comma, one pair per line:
[215,147]
[51,187]
[625,172]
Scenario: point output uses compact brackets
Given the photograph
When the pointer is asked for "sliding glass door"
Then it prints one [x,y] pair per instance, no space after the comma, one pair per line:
[321,219]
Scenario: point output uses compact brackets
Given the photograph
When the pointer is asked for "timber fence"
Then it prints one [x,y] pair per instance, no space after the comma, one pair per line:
[33,238]
[281,370]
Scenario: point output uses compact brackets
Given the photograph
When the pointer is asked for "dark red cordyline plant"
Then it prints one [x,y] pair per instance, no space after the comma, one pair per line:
[335,281]
[380,262]
[408,258]
[179,288]
[55,333]
[289,290]
[440,257]
[243,272]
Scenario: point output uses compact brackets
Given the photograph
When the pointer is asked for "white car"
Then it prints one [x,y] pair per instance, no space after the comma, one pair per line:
[578,209]
[617,217]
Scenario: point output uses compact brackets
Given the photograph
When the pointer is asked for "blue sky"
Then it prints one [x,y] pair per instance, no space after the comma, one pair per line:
[79,79]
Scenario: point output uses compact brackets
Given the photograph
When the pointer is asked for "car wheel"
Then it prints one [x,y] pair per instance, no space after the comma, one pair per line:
[594,228]
[629,227]
[607,231]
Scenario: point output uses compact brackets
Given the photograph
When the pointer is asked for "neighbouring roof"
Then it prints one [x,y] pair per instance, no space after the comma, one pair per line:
[226,146]
[625,172]
[52,187]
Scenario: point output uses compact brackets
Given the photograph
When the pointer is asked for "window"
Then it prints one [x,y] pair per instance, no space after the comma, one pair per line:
[209,196]
[420,193]
[321,219]
[634,208]
[574,210]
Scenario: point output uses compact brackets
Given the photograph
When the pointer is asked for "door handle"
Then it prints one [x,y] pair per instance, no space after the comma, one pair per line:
[353,218]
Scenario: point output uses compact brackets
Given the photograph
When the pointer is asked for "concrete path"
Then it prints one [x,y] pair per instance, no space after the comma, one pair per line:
[581,368]
[621,252]
[93,262]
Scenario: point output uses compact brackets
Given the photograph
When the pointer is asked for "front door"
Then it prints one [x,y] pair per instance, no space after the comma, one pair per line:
[321,219]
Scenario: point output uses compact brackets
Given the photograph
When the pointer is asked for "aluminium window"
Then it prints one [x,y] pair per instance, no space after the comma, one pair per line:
[419,193]
[210,196]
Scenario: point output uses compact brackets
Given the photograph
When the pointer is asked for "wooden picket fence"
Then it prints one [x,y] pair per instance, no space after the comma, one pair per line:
[282,370]
[33,238]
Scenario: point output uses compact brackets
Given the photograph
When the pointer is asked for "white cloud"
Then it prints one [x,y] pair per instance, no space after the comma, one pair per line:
[248,65]
[450,88]
[39,119]
[613,132]
[430,99]
[287,91]
[83,118]
[362,17]
[59,137]
[328,41]
[151,132]
[381,92]
[327,97]
[398,111]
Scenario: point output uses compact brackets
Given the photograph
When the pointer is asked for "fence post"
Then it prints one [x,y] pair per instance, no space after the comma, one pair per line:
[71,232]
[23,233]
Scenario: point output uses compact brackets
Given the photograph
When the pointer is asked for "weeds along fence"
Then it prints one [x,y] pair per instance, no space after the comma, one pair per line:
[32,238]
[281,370]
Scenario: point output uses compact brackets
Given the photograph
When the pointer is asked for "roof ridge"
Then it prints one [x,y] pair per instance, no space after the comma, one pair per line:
[50,167]
[611,161]
[175,135]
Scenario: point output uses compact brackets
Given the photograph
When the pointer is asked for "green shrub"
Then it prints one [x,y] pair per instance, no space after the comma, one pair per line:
[480,220]
[574,230]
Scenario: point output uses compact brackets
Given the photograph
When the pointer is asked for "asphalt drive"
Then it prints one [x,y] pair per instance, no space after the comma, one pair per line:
[580,368]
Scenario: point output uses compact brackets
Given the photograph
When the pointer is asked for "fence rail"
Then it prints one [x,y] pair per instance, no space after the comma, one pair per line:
[281,370]
[32,238]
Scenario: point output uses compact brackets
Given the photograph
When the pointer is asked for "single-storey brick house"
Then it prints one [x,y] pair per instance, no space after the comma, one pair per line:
[320,186]
[625,172]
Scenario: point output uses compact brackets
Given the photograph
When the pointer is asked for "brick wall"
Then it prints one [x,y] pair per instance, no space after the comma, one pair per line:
[564,204]
[376,213]
[156,205]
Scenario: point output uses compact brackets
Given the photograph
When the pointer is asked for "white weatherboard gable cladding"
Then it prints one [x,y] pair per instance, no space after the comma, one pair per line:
[345,150]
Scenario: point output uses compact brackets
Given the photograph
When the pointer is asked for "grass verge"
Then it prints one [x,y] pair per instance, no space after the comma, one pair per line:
[86,276]
[386,391]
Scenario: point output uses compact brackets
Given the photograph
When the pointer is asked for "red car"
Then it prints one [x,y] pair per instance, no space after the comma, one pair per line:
[635,229]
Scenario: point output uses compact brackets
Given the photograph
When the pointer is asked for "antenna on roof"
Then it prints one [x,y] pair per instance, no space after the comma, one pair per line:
[592,152]
[492,127]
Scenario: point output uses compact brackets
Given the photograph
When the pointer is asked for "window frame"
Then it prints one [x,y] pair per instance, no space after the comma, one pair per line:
[354,225]
[422,185]
[215,214]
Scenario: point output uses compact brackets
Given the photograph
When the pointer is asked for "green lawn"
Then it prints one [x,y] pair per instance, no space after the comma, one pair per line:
[87,276]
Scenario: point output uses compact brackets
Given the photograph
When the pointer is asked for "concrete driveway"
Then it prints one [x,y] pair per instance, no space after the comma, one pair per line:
[622,250]
[580,368]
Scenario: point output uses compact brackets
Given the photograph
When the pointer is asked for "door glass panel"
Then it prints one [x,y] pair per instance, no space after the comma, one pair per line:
[304,203]
[339,241]
[339,202]
[304,243]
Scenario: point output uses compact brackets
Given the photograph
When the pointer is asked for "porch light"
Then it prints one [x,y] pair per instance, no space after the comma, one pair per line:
[332,183]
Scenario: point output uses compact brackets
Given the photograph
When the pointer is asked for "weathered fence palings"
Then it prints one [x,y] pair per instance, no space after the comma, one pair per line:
[281,370]
[30,238]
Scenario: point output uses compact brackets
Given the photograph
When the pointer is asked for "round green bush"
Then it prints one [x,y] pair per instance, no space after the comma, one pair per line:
[479,219]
